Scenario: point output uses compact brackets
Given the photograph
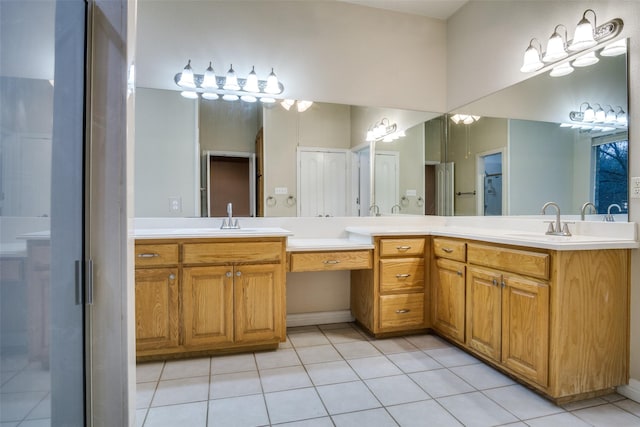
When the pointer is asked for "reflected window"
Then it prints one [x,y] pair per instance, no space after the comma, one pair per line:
[611,157]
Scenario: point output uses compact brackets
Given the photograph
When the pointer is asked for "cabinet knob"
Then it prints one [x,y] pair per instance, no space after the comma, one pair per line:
[459,273]
[238,273]
[495,282]
[403,311]
[172,276]
[229,274]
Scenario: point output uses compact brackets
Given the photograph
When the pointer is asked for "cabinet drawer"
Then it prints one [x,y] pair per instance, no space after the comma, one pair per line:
[158,254]
[329,261]
[232,252]
[402,275]
[450,249]
[534,264]
[401,247]
[402,311]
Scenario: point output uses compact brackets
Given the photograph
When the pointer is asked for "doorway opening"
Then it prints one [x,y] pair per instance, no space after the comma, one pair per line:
[491,189]
[230,178]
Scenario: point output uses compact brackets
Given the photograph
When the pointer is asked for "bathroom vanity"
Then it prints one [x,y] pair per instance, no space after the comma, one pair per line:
[550,311]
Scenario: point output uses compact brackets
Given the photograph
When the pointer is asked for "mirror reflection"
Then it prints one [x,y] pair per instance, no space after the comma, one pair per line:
[509,158]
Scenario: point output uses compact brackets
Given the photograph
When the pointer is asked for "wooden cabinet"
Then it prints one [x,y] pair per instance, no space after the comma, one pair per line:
[391,297]
[448,288]
[557,320]
[219,295]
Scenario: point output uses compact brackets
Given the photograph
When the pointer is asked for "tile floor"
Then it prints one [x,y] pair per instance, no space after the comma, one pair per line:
[335,375]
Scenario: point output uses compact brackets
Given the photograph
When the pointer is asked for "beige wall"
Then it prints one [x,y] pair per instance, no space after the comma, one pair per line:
[323,125]
[228,126]
[466,141]
[509,25]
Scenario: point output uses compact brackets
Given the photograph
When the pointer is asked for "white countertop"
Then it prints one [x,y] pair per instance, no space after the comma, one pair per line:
[337,244]
[506,236]
[173,233]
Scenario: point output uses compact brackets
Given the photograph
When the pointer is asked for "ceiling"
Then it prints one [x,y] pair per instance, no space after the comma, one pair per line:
[438,9]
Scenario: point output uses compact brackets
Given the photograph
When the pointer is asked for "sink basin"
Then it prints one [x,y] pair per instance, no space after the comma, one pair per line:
[213,231]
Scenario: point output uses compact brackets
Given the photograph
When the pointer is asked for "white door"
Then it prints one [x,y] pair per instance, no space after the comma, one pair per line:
[387,181]
[321,183]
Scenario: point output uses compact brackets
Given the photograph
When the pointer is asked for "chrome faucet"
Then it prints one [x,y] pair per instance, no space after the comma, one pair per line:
[609,216]
[228,223]
[375,208]
[584,209]
[558,229]
[396,206]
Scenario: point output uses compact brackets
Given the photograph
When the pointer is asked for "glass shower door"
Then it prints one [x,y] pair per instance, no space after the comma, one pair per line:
[42,321]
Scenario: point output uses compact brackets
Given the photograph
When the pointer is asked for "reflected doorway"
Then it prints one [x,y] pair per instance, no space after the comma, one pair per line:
[490,181]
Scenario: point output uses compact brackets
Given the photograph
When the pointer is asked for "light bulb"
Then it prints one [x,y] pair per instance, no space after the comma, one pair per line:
[189,94]
[531,60]
[586,60]
[273,87]
[614,49]
[248,98]
[186,77]
[267,100]
[583,36]
[209,81]
[304,106]
[287,103]
[210,96]
[589,114]
[561,70]
[251,85]
[230,97]
[555,48]
[231,80]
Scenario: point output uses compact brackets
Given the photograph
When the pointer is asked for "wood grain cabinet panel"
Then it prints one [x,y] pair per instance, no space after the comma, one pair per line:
[208,305]
[401,247]
[448,298]
[157,309]
[156,254]
[484,311]
[330,260]
[450,249]
[402,311]
[402,275]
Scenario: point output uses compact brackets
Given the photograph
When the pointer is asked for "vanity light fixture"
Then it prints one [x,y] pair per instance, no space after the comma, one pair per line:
[586,36]
[301,106]
[383,131]
[616,48]
[230,86]
[464,119]
[596,118]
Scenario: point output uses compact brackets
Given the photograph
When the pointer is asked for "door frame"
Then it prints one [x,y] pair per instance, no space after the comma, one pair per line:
[480,179]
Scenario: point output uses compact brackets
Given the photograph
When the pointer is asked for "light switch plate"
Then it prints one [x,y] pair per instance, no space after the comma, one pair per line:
[282,190]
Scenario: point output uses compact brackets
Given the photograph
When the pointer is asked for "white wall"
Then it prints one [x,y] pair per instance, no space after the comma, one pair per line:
[165,143]
[321,50]
[509,26]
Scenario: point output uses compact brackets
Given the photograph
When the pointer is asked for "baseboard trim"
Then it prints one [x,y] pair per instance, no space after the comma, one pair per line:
[319,318]
[631,391]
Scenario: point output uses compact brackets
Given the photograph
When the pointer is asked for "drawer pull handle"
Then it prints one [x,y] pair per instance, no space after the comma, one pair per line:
[447,250]
[459,273]
[403,311]
[331,261]
[403,248]
[148,255]
[402,276]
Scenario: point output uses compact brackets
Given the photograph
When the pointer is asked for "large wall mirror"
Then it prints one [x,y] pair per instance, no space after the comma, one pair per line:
[510,161]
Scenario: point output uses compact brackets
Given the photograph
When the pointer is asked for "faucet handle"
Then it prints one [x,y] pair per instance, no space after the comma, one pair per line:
[551,229]
[565,228]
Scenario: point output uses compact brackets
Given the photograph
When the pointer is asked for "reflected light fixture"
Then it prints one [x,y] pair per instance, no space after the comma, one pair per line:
[230,87]
[586,36]
[596,118]
[384,131]
[465,119]
[301,106]
[616,48]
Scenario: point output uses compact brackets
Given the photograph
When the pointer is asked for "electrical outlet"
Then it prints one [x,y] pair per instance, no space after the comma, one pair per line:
[175,204]
[634,191]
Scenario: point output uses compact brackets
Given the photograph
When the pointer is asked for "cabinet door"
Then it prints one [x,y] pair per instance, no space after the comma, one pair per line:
[157,308]
[525,327]
[259,305]
[449,298]
[207,306]
[484,311]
